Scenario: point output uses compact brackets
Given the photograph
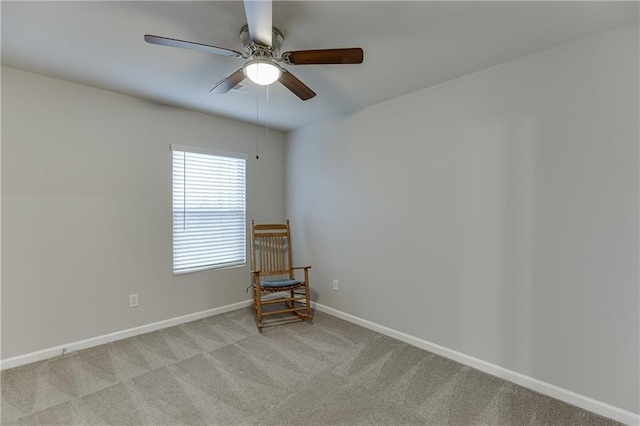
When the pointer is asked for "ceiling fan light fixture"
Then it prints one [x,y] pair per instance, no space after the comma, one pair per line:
[262,72]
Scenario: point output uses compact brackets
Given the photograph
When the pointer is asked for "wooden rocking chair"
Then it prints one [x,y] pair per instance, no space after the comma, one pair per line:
[273,277]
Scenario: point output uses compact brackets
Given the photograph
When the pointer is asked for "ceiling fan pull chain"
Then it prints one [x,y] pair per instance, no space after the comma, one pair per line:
[257,126]
[267,111]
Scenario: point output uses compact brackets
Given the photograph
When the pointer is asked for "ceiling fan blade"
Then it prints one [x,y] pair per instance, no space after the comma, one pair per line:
[171,42]
[353,55]
[228,83]
[259,20]
[300,89]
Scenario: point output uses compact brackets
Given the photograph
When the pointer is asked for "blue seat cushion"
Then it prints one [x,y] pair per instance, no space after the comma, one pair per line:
[279,283]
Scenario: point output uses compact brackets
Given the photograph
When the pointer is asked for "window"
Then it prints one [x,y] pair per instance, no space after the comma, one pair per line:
[209,210]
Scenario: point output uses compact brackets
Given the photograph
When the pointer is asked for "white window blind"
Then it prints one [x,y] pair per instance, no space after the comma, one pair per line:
[209,210]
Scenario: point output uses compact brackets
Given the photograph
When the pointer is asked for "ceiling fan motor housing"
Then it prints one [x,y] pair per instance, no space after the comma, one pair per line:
[258,51]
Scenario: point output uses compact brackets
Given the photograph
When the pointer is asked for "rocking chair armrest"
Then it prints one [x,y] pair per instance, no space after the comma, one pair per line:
[306,271]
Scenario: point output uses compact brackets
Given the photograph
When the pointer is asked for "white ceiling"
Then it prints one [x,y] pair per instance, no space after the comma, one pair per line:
[408,46]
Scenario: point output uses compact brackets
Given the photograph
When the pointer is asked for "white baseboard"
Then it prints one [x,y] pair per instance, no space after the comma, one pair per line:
[43,354]
[573,398]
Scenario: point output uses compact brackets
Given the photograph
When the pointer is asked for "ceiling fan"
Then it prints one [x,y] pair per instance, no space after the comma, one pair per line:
[262,43]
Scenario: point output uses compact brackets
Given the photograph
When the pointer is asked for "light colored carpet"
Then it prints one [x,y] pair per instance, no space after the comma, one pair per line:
[220,371]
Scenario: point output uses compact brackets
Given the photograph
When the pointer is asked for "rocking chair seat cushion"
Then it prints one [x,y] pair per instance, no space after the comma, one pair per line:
[279,283]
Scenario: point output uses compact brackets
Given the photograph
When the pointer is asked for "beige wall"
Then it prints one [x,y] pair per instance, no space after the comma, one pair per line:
[86,210]
[495,215]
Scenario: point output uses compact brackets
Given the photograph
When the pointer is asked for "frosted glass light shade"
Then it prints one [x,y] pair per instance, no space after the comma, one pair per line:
[262,72]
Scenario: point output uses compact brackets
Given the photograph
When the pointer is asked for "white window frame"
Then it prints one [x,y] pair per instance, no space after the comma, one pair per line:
[185,258]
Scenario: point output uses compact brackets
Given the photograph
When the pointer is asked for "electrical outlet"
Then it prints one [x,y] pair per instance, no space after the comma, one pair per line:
[335,285]
[133,300]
